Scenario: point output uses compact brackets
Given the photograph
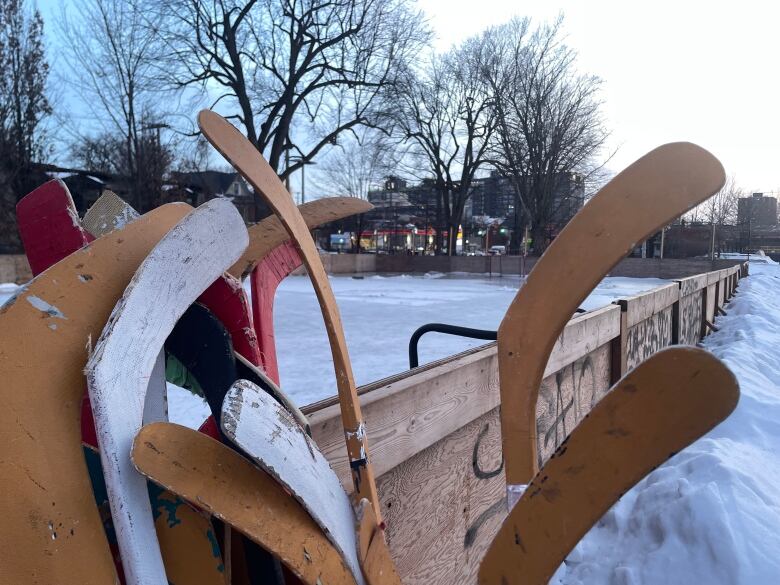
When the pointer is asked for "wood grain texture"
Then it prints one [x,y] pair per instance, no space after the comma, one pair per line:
[269,435]
[251,165]
[270,233]
[648,194]
[223,483]
[413,411]
[182,265]
[661,407]
[56,535]
[443,505]
[378,567]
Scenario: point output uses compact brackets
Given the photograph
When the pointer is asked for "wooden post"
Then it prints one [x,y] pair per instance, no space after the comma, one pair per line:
[703,330]
[619,349]
[676,319]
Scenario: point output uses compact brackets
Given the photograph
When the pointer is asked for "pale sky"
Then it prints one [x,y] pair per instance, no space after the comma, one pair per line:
[705,72]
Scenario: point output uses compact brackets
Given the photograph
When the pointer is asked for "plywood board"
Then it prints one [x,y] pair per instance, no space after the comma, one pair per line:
[690,318]
[410,413]
[649,336]
[567,396]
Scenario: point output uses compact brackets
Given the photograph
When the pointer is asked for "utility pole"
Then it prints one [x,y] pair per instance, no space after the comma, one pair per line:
[663,238]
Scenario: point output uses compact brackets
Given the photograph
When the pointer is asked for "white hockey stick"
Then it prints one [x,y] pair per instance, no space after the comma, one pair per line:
[186,261]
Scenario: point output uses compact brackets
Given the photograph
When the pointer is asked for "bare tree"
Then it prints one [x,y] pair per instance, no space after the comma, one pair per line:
[549,125]
[298,73]
[359,162]
[446,113]
[23,107]
[112,60]
[720,210]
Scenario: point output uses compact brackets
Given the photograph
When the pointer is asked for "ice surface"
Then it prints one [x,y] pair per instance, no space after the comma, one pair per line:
[711,515]
[380,313]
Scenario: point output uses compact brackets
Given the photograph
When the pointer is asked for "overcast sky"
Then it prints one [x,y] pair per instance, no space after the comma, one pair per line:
[706,72]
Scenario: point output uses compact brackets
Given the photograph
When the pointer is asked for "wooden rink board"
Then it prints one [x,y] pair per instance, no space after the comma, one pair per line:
[435,438]
[51,529]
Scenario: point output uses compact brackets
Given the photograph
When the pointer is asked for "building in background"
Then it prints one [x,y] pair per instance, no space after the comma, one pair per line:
[757,211]
[408,217]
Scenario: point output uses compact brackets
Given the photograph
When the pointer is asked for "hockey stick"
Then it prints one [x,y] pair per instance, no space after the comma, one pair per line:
[238,493]
[659,408]
[267,433]
[650,193]
[248,161]
[181,266]
[52,322]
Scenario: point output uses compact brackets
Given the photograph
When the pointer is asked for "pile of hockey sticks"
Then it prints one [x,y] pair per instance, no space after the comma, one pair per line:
[99,487]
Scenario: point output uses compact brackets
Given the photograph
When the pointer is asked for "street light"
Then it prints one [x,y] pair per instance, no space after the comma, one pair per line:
[295,160]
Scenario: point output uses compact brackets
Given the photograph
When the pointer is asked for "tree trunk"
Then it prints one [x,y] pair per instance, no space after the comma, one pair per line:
[539,236]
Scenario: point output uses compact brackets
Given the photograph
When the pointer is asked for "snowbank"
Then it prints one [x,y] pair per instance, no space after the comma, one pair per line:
[757,258]
[711,515]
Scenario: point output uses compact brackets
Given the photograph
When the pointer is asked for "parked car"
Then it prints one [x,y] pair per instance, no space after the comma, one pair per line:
[497,250]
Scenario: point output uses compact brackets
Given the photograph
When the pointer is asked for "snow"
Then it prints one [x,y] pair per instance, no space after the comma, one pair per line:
[186,408]
[380,313]
[757,258]
[710,514]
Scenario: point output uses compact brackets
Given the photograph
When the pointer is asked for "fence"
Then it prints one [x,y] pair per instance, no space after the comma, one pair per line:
[435,432]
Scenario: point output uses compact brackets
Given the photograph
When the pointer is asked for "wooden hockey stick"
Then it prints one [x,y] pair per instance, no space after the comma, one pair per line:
[266,432]
[659,408]
[109,213]
[49,225]
[50,210]
[251,165]
[270,232]
[378,567]
[215,477]
[186,536]
[650,193]
[51,531]
[181,266]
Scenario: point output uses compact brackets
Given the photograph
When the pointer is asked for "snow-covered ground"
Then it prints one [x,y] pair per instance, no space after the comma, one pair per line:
[710,515]
[757,258]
